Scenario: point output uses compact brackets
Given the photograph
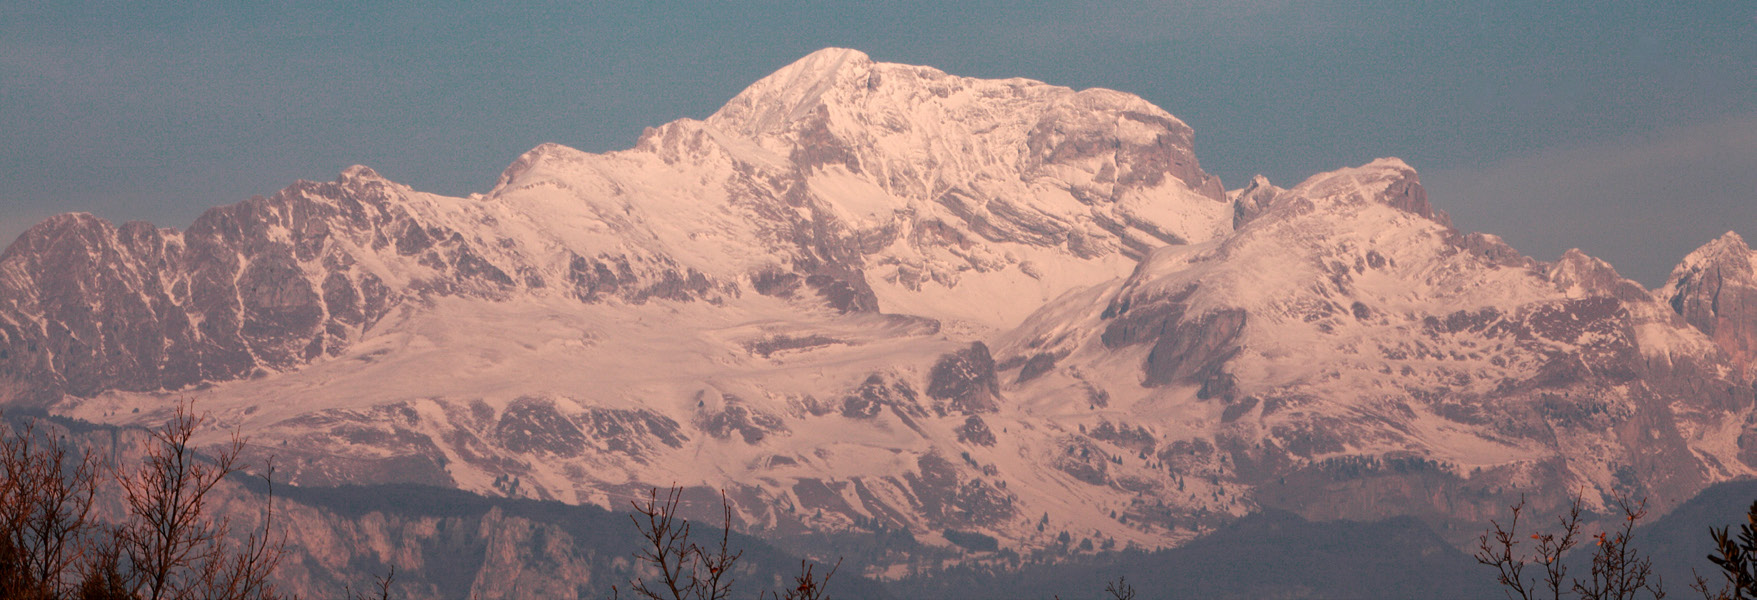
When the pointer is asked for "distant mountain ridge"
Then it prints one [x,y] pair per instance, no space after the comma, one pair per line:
[870,297]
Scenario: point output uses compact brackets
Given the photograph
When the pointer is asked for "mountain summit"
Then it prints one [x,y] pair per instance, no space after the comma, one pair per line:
[865,297]
[1715,289]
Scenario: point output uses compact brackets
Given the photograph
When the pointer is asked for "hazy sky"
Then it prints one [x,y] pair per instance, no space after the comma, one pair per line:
[1628,129]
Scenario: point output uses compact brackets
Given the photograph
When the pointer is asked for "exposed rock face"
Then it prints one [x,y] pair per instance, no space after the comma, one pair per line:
[1250,201]
[735,416]
[813,297]
[876,394]
[811,185]
[1715,289]
[268,283]
[1193,351]
[950,497]
[1327,343]
[1038,364]
[1132,437]
[963,179]
[964,382]
[534,426]
[975,431]
[839,107]
[1080,458]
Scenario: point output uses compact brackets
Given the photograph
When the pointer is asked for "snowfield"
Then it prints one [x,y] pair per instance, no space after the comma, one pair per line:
[866,295]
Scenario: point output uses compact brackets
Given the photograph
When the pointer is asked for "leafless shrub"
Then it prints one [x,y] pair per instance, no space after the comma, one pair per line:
[807,586]
[1619,571]
[1501,552]
[170,543]
[686,570]
[380,589]
[46,501]
[1120,589]
[43,512]
[689,571]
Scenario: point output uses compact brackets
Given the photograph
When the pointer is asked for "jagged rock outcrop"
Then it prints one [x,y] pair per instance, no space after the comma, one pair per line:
[1715,289]
[964,382]
[867,298]
[1345,353]
[819,182]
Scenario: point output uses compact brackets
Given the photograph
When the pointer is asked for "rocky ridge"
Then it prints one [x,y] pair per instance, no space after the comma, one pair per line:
[1715,289]
[865,297]
[1346,353]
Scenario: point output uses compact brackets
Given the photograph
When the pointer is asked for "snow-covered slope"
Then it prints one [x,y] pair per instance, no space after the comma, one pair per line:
[909,190]
[886,187]
[1346,353]
[865,297]
[786,299]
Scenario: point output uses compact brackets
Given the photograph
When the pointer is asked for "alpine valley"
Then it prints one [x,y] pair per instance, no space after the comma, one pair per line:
[1007,319]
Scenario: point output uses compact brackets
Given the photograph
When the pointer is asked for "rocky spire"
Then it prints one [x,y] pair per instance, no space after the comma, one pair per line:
[1715,289]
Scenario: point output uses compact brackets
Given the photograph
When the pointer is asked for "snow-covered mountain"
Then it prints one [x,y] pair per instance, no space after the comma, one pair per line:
[1347,354]
[866,297]
[1715,288]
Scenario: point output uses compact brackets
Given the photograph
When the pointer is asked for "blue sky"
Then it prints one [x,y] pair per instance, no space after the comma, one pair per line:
[1628,129]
